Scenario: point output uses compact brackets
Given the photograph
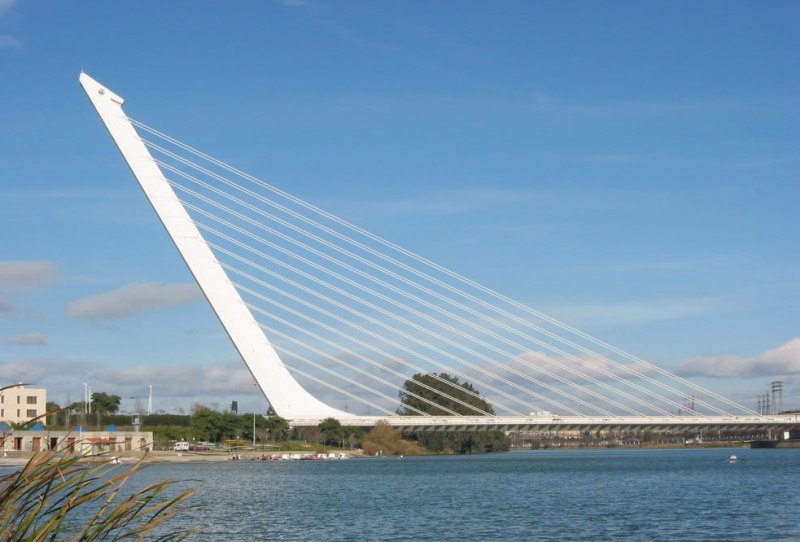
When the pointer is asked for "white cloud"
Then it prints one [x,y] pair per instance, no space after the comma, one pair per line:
[30,339]
[7,41]
[173,385]
[718,367]
[186,380]
[21,371]
[783,360]
[133,299]
[26,275]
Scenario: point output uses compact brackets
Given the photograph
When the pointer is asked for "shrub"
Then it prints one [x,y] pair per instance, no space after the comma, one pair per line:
[62,497]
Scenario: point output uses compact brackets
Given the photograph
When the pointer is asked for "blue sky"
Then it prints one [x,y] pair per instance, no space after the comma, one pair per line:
[630,168]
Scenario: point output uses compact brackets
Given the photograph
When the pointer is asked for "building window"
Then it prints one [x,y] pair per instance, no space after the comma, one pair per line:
[31,413]
[17,413]
[2,413]
[31,399]
[2,399]
[18,399]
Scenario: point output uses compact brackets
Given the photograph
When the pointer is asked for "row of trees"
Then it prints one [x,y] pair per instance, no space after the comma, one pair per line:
[431,394]
[213,426]
[102,404]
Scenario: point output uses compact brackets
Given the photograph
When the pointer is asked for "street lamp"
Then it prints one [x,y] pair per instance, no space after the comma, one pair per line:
[254,416]
[85,401]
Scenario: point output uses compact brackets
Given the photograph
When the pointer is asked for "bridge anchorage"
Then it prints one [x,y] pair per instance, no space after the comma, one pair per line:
[352,317]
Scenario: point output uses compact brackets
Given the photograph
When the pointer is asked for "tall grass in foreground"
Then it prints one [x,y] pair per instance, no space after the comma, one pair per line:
[63,497]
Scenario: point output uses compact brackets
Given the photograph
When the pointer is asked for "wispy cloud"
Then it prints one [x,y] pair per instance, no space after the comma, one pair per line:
[133,299]
[26,275]
[61,194]
[647,266]
[616,158]
[458,201]
[545,103]
[5,307]
[29,339]
[23,370]
[783,360]
[453,202]
[625,314]
[7,41]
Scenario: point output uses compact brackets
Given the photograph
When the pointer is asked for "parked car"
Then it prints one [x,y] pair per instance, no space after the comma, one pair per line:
[181,446]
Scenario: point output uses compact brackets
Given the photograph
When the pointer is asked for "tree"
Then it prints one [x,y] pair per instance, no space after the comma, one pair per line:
[231,426]
[463,442]
[278,428]
[246,425]
[352,435]
[420,384]
[103,403]
[331,430]
[207,424]
[55,415]
[383,439]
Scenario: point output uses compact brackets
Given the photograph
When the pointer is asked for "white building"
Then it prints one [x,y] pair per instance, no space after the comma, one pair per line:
[19,404]
[76,441]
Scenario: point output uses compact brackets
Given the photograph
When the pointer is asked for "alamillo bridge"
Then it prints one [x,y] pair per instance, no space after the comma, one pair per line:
[351,316]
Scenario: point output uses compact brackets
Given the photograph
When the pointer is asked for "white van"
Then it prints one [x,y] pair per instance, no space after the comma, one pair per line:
[181,446]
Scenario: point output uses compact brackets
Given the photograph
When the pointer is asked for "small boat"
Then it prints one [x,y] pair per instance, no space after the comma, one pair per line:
[733,459]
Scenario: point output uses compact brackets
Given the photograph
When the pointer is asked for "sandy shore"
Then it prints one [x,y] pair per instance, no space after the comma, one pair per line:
[17,459]
[20,459]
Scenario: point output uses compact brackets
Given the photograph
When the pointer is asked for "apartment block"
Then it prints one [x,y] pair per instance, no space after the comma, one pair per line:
[19,404]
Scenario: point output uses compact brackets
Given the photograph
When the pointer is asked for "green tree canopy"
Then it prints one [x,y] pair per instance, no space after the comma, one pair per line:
[103,403]
[331,430]
[55,415]
[207,425]
[278,428]
[463,392]
[464,399]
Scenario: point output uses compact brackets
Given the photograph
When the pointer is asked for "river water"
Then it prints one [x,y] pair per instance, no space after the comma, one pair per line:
[616,494]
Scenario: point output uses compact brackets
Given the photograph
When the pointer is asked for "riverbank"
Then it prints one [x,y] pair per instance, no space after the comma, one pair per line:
[18,459]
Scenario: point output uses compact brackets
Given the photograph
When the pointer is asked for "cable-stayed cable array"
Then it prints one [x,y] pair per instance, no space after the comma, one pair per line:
[353,315]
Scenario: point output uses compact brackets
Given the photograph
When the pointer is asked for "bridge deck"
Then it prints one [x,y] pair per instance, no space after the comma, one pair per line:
[564,423]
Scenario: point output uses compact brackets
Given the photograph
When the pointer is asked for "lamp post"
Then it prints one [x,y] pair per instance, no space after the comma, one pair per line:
[254,416]
[85,402]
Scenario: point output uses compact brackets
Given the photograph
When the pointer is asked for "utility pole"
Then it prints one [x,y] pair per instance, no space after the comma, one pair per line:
[777,396]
